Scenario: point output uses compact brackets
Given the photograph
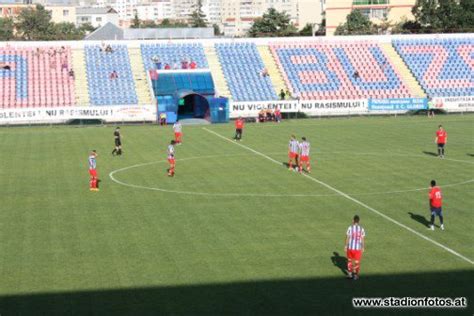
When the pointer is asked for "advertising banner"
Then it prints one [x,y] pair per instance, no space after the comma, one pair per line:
[312,108]
[251,109]
[333,107]
[131,113]
[455,104]
[406,104]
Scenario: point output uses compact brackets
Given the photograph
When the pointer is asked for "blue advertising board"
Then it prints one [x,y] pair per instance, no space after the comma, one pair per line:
[407,104]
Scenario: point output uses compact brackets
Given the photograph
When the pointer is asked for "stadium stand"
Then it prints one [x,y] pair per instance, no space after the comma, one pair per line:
[104,89]
[242,66]
[338,70]
[444,67]
[173,54]
[36,77]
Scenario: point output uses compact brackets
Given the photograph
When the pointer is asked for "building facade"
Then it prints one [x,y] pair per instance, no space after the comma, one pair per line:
[96,16]
[376,10]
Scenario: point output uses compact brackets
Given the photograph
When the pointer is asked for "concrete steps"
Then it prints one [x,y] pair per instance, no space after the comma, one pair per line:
[80,82]
[407,77]
[217,72]
[142,88]
[271,65]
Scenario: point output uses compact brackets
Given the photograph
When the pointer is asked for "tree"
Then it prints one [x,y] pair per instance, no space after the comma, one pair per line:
[66,31]
[6,29]
[87,28]
[217,30]
[273,23]
[356,24]
[34,24]
[198,18]
[307,30]
[466,15]
[135,22]
[424,12]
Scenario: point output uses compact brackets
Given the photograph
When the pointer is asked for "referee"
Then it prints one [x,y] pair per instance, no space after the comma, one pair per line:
[118,142]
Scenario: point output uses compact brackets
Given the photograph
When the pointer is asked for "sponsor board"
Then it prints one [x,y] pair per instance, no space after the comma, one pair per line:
[65,114]
[251,109]
[405,104]
[333,107]
[312,108]
[455,104]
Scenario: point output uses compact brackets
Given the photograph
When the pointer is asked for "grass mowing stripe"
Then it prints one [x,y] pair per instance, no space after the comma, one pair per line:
[351,198]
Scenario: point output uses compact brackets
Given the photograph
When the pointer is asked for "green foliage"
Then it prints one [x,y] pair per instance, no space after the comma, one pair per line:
[6,29]
[273,23]
[217,30]
[356,24]
[439,16]
[87,28]
[34,24]
[198,18]
[65,31]
[307,30]
[135,22]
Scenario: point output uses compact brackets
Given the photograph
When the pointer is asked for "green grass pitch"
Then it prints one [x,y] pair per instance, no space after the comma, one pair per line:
[247,236]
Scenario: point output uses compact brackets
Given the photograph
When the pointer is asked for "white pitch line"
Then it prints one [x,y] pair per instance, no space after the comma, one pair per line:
[457,254]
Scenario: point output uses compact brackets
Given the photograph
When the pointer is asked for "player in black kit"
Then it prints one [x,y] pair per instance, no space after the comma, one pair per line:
[118,142]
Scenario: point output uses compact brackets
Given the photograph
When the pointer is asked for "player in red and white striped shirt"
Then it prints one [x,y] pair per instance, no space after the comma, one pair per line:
[178,132]
[293,152]
[355,242]
[305,147]
[171,159]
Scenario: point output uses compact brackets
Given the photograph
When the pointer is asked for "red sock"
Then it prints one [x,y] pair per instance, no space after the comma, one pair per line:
[357,267]
[308,166]
[349,266]
[91,183]
[290,165]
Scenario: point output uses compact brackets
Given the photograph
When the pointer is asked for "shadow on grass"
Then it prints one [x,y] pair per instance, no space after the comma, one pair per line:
[317,296]
[430,153]
[340,262]
[470,155]
[420,219]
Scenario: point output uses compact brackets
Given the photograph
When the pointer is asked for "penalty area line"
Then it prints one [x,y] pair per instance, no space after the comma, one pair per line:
[345,195]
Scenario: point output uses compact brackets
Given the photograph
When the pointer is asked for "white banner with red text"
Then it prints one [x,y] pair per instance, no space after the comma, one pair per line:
[132,113]
[311,108]
[454,104]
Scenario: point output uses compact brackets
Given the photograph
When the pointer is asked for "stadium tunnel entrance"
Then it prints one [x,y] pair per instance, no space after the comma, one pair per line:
[192,105]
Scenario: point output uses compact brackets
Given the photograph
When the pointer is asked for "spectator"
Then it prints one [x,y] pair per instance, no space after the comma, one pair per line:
[184,64]
[108,49]
[156,61]
[162,118]
[277,114]
[261,116]
[71,74]
[282,94]
[193,65]
[167,67]
[102,47]
[5,66]
[175,65]
[113,75]
[64,65]
[264,72]
[356,75]
[288,94]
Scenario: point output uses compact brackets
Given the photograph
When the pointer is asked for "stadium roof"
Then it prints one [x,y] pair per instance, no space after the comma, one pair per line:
[82,11]
[110,31]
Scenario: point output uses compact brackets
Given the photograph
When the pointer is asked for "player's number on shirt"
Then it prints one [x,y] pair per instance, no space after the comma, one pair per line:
[438,195]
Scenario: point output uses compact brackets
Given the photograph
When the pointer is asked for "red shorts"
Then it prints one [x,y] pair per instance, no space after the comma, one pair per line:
[292,155]
[171,161]
[354,254]
[93,173]
[178,135]
[304,159]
